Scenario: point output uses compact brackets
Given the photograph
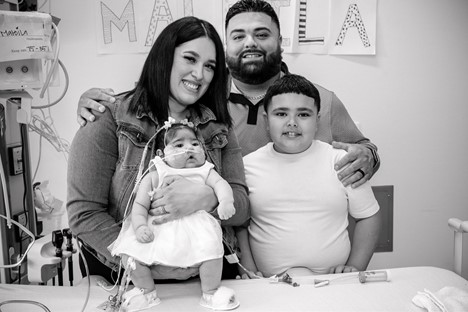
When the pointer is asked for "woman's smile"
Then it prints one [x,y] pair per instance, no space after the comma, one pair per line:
[192,72]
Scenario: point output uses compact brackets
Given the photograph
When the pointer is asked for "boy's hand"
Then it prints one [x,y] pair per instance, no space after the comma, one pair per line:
[250,275]
[89,102]
[356,167]
[144,234]
[342,269]
[226,210]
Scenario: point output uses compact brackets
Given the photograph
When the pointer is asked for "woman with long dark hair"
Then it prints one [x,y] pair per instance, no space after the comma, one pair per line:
[184,77]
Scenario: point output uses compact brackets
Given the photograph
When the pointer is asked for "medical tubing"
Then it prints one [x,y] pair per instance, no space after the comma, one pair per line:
[54,64]
[131,199]
[140,176]
[65,89]
[88,278]
[33,239]
[21,301]
[5,193]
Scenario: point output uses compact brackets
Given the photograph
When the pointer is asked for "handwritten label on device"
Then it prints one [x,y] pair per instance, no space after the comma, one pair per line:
[25,35]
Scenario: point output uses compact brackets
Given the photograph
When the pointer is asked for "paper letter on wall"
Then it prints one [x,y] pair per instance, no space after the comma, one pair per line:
[127,18]
[353,19]
[144,19]
[161,13]
[312,26]
[353,27]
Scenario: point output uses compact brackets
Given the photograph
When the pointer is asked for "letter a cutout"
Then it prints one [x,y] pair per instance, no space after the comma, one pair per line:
[349,22]
[156,17]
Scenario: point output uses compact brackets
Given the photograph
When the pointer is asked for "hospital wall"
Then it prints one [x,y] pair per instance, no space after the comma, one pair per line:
[410,99]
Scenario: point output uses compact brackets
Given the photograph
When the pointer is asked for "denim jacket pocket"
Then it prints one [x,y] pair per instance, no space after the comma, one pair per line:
[131,146]
[215,139]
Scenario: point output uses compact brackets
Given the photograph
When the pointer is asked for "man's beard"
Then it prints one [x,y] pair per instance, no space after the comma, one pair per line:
[255,72]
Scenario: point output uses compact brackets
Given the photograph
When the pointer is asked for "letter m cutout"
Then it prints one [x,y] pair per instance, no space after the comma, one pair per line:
[127,18]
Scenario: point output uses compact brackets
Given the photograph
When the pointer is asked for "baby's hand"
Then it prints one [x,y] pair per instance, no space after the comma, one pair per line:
[226,210]
[144,234]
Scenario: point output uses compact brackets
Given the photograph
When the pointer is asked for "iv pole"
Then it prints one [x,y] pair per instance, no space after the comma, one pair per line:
[23,117]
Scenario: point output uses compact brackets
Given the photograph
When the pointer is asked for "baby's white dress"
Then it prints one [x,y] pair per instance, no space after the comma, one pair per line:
[185,242]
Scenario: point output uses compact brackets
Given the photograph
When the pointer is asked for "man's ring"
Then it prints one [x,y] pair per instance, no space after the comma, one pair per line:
[362,172]
[163,210]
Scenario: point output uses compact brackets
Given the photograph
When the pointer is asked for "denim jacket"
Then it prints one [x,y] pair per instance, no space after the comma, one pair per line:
[104,162]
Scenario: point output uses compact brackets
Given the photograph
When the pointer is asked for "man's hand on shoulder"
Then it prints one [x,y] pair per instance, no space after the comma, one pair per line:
[89,102]
[356,167]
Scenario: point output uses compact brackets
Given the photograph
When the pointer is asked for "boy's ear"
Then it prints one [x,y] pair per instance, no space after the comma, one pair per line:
[316,124]
[160,153]
[265,116]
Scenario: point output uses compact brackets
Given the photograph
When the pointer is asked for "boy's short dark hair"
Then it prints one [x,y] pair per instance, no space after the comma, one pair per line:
[246,6]
[291,83]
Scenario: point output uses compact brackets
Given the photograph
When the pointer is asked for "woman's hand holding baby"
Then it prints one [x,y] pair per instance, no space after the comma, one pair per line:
[178,197]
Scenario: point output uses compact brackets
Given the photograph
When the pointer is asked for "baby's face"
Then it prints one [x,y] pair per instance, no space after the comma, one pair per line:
[184,150]
[292,122]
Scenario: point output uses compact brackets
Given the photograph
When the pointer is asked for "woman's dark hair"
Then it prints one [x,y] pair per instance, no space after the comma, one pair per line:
[245,6]
[291,83]
[152,90]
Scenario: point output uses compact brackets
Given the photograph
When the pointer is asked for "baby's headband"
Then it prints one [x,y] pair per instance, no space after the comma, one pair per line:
[171,121]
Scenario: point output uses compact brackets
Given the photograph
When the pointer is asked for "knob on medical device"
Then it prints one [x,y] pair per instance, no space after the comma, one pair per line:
[57,241]
[43,259]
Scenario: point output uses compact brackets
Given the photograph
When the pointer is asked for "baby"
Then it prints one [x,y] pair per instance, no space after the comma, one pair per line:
[194,240]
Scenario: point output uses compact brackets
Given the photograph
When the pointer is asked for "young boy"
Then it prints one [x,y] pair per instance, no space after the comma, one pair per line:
[299,207]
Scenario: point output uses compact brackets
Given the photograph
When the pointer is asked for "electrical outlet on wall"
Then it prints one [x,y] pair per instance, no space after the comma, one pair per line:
[15,156]
[18,272]
[23,220]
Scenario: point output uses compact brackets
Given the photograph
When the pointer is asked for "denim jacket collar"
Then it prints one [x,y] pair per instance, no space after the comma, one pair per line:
[205,116]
